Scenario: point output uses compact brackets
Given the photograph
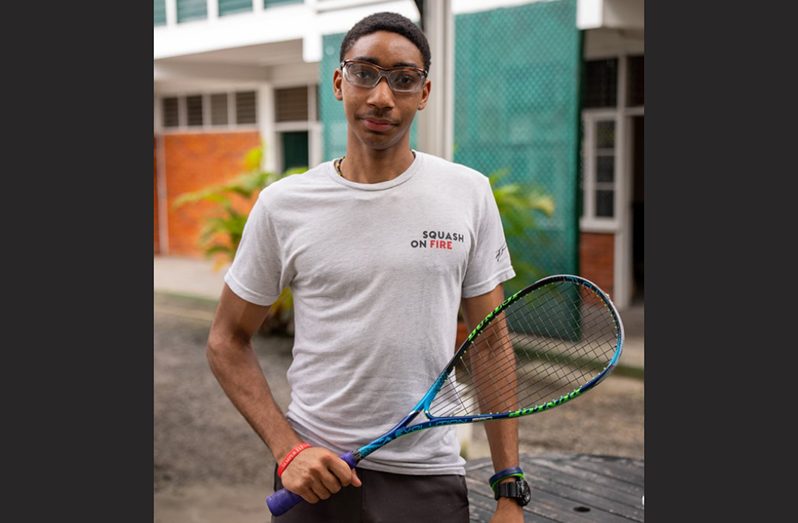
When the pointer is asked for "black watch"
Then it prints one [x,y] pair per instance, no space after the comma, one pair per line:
[517,490]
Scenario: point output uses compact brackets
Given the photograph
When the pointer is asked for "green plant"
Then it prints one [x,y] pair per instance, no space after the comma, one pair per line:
[519,206]
[221,231]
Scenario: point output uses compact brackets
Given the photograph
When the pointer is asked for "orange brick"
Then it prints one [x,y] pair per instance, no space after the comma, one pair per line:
[194,162]
[156,240]
[597,259]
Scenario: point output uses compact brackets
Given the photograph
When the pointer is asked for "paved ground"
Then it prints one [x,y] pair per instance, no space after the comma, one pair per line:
[211,467]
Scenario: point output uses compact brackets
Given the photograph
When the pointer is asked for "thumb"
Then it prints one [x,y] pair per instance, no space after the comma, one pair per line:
[355,480]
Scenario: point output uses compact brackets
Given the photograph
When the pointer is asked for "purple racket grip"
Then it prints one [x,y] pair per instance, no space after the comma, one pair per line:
[283,500]
[350,459]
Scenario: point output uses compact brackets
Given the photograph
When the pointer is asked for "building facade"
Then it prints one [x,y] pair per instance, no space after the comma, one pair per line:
[230,75]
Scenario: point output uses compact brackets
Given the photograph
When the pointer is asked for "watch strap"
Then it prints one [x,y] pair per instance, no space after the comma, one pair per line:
[517,490]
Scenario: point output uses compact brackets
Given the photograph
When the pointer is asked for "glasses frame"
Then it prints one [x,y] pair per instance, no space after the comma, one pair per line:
[383,72]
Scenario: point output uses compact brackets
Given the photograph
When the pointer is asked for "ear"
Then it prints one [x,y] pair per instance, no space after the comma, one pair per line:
[424,95]
[337,80]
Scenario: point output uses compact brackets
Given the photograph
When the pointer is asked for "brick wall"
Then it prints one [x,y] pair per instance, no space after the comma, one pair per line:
[156,244]
[597,259]
[193,162]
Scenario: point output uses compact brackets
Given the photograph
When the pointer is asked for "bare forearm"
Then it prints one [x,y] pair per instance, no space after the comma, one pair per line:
[314,474]
[237,369]
[503,441]
[493,364]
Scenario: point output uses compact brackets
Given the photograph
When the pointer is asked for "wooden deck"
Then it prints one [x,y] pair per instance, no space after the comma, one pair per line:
[579,488]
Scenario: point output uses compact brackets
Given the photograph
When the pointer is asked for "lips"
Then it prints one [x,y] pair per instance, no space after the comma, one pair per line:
[374,124]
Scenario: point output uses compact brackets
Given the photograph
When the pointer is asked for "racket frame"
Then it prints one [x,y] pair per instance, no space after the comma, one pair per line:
[404,427]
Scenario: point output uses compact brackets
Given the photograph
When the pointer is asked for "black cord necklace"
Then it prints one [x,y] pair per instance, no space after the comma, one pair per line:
[338,161]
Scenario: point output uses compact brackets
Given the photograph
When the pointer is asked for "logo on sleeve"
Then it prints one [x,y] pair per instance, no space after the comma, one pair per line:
[437,240]
[501,251]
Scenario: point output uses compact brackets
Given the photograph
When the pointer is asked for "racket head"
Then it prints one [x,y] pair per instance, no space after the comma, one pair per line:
[543,346]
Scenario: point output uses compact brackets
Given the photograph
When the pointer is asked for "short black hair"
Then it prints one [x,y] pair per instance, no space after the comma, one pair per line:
[391,22]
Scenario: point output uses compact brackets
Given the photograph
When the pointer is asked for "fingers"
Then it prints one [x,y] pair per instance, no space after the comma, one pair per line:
[340,468]
[355,481]
[316,474]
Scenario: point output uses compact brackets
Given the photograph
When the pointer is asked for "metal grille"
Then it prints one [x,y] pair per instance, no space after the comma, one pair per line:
[171,112]
[517,112]
[291,105]
[246,110]
[194,110]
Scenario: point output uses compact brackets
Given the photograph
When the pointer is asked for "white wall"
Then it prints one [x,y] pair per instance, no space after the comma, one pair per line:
[615,14]
[306,22]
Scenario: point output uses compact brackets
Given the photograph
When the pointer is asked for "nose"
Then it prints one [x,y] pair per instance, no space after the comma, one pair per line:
[381,95]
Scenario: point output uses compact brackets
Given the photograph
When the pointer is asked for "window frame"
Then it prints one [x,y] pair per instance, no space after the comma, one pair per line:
[207,126]
[589,221]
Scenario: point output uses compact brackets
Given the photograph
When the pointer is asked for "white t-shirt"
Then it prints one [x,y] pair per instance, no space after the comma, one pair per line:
[377,272]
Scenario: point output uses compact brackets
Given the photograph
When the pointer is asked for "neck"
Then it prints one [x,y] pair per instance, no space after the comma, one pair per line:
[375,166]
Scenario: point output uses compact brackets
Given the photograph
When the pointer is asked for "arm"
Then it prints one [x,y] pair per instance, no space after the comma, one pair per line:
[503,434]
[315,473]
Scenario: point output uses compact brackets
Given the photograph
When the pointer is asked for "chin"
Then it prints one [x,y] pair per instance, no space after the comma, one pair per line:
[379,142]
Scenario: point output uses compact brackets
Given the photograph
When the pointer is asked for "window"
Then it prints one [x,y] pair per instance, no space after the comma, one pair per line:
[188,10]
[272,3]
[194,110]
[598,183]
[291,105]
[209,111]
[606,113]
[219,111]
[228,7]
[171,112]
[604,154]
[600,83]
[245,107]
[159,13]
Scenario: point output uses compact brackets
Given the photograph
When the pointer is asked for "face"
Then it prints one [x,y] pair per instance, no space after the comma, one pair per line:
[379,118]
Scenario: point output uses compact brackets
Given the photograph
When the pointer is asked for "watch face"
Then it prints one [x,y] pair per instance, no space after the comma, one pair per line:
[526,493]
[517,490]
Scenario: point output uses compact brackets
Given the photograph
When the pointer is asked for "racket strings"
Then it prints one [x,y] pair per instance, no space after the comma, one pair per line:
[501,399]
[551,367]
[498,368]
[543,346]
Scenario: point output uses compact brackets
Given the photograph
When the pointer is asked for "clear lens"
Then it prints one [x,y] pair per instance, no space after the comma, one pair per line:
[367,75]
[362,74]
[405,80]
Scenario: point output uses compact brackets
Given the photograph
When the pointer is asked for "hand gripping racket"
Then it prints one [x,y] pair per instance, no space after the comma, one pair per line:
[542,347]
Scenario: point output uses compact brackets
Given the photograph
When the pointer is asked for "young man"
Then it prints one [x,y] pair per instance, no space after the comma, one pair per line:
[380,248]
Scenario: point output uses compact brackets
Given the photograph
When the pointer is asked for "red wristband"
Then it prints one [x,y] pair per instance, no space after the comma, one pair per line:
[294,452]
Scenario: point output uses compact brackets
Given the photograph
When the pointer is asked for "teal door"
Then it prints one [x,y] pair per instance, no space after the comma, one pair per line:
[295,149]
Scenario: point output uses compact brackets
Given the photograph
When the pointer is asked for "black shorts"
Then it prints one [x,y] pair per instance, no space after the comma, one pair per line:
[387,498]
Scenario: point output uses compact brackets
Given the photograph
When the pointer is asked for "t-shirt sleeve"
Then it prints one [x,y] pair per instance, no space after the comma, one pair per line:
[489,260]
[255,274]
